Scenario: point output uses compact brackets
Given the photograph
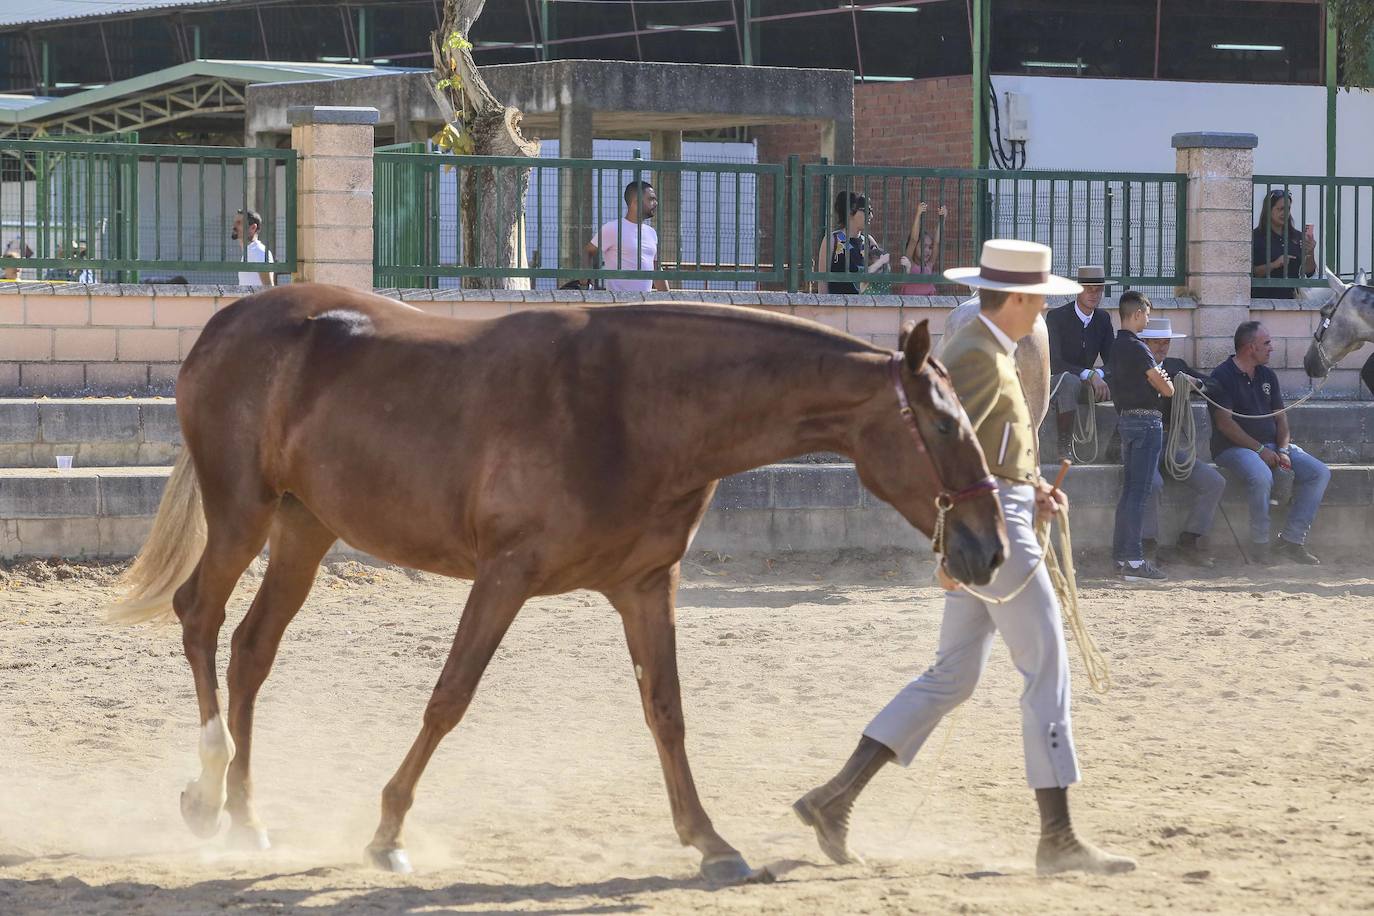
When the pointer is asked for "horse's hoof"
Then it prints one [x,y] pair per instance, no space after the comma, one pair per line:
[395,861]
[728,868]
[248,838]
[204,822]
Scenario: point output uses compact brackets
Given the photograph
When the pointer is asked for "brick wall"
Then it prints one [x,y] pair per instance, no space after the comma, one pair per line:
[920,123]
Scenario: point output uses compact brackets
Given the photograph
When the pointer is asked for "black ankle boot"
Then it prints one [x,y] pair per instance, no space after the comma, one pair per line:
[827,808]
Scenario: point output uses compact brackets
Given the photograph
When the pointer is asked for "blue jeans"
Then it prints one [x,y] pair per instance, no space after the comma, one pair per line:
[1310,478]
[1142,441]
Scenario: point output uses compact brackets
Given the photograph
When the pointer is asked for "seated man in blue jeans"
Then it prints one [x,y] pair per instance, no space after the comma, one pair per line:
[1251,448]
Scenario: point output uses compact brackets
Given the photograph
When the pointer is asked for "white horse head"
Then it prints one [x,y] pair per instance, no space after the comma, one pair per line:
[1347,321]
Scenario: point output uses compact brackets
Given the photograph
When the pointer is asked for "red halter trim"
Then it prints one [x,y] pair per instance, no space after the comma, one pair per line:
[947,499]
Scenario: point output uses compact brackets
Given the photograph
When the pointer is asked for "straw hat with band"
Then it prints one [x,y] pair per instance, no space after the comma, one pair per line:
[1015,267]
[1159,328]
[1093,275]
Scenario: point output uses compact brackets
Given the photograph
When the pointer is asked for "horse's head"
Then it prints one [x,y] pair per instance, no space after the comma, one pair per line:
[926,456]
[1347,321]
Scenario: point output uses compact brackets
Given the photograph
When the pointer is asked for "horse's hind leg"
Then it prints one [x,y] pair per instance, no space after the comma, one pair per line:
[235,533]
[298,543]
[646,608]
[496,597]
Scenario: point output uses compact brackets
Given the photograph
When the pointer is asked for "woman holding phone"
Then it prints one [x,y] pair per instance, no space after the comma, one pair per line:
[1278,249]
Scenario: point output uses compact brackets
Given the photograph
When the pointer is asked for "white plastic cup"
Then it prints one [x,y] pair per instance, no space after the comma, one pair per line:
[64,462]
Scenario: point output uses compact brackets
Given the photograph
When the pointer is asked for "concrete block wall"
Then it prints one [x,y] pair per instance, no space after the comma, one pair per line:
[101,433]
[131,339]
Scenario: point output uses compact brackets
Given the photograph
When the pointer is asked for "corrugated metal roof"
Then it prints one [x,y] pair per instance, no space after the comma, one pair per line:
[20,102]
[243,71]
[23,12]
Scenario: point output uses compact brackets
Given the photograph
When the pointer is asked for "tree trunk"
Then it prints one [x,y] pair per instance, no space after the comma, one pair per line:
[492,199]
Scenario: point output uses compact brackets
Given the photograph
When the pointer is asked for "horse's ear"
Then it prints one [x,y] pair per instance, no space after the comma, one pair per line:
[915,344]
[907,327]
[1361,278]
[1336,283]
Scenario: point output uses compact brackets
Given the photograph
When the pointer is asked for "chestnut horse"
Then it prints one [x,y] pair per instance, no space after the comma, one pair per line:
[535,453]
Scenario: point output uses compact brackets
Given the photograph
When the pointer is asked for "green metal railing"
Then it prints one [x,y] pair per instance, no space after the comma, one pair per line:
[1340,213]
[760,225]
[126,210]
[715,222]
[1132,224]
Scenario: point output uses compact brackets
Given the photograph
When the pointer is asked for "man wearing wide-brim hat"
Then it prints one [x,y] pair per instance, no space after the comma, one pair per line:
[1081,335]
[1204,482]
[1013,278]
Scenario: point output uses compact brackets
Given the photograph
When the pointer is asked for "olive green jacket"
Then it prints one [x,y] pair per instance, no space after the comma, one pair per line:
[984,377]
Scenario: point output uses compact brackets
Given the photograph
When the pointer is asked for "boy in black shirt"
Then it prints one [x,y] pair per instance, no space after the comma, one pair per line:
[1138,391]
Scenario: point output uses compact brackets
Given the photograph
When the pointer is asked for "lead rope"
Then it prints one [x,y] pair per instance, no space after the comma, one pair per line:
[1085,428]
[1180,447]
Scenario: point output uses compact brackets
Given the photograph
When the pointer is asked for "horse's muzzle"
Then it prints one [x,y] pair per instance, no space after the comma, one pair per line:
[1314,364]
[971,556]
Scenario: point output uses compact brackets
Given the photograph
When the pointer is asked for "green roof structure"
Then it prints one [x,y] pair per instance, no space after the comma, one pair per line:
[194,89]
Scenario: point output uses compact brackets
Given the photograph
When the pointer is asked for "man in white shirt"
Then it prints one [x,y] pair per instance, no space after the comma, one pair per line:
[618,242]
[254,251]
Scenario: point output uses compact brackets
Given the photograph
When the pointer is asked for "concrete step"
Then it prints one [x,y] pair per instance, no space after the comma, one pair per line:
[1337,432]
[96,432]
[108,511]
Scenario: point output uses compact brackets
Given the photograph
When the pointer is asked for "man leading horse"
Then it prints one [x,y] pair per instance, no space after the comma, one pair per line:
[1013,280]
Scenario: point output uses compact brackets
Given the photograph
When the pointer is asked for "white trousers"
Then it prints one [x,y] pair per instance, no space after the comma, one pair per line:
[1030,625]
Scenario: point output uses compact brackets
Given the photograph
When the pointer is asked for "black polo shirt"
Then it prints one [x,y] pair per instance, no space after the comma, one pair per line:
[1242,393]
[1127,363]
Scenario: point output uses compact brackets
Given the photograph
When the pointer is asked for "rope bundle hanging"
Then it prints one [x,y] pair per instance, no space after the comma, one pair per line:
[1085,428]
[1180,446]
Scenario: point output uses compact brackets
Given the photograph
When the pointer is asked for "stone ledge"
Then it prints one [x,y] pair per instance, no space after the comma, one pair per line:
[303,115]
[1208,139]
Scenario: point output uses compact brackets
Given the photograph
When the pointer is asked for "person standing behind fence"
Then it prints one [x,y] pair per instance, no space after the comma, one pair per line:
[1278,249]
[921,253]
[630,243]
[843,250]
[247,224]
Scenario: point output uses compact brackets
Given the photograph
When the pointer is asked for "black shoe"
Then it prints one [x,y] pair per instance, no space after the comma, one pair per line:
[1066,446]
[1150,547]
[1145,572]
[1295,553]
[1260,554]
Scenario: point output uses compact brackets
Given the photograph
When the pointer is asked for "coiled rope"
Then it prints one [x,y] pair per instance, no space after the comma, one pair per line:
[1180,446]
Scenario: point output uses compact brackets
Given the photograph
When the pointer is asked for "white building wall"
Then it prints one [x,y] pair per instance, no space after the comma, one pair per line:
[1127,125]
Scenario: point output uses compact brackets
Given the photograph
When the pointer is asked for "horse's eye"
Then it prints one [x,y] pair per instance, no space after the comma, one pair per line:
[945,425]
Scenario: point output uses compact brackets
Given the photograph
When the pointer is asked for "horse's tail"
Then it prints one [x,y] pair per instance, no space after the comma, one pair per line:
[170,554]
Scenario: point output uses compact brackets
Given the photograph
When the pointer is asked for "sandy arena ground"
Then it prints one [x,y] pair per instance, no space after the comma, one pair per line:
[1233,757]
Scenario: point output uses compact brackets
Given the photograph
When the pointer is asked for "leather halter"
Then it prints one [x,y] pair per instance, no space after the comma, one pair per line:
[1328,313]
[947,498]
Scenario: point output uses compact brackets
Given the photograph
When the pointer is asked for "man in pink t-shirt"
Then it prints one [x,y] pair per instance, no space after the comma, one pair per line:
[630,243]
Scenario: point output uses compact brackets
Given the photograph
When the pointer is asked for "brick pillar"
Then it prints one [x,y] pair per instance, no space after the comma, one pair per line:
[1220,169]
[333,193]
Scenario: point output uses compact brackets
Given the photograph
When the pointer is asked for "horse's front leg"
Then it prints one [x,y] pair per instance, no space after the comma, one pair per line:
[646,608]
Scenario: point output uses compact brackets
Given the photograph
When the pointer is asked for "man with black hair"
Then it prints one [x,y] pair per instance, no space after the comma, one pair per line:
[1252,446]
[247,223]
[630,243]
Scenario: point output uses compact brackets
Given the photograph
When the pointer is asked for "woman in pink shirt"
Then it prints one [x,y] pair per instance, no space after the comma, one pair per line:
[928,246]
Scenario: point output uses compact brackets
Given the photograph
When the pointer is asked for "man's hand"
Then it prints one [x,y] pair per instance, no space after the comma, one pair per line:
[1269,457]
[1100,388]
[947,582]
[1049,501]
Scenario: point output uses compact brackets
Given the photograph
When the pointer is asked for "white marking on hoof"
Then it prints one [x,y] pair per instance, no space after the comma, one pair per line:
[396,861]
[208,791]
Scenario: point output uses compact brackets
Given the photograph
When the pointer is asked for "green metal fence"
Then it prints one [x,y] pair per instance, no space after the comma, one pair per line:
[1339,212]
[716,223]
[1132,224]
[759,225]
[120,212]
